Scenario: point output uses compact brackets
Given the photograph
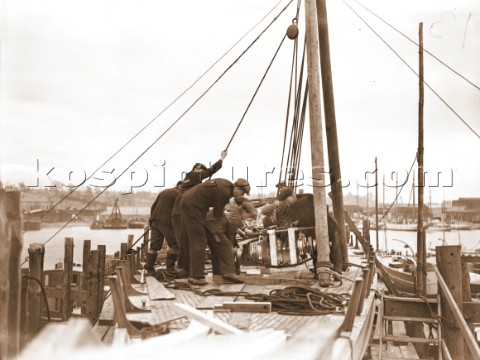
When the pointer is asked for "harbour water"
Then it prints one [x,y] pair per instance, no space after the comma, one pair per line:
[469,240]
[54,248]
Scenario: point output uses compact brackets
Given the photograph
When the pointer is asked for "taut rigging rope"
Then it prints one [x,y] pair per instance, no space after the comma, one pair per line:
[406,64]
[256,91]
[170,127]
[161,112]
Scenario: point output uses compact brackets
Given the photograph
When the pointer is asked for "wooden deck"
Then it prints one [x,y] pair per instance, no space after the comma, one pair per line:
[312,336]
[197,327]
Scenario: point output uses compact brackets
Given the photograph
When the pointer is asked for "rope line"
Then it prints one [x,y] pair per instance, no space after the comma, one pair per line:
[256,91]
[415,43]
[406,64]
[396,197]
[163,111]
[174,123]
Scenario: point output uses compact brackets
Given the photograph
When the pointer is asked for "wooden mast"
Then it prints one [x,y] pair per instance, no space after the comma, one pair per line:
[331,130]
[421,246]
[316,139]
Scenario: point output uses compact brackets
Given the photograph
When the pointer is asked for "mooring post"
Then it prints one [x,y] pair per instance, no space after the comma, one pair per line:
[146,239]
[67,279]
[36,253]
[92,286]
[352,308]
[138,259]
[11,243]
[87,244]
[86,253]
[366,230]
[450,267]
[123,251]
[130,241]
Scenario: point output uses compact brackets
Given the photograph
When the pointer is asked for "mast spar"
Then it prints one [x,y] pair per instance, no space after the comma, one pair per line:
[316,139]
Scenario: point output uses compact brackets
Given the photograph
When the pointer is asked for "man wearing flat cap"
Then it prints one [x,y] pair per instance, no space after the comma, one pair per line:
[196,203]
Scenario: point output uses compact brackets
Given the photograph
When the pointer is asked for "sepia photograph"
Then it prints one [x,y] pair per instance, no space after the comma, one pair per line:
[253,179]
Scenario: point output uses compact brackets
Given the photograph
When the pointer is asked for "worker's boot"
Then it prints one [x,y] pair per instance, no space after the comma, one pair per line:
[170,262]
[150,262]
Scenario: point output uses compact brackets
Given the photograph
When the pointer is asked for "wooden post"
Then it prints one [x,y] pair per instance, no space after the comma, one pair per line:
[130,242]
[316,140]
[365,290]
[11,243]
[366,230]
[123,251]
[357,294]
[23,313]
[331,128]
[146,239]
[100,277]
[138,259]
[421,276]
[36,253]
[92,286]
[450,267]
[67,279]
[87,244]
[86,253]
[467,297]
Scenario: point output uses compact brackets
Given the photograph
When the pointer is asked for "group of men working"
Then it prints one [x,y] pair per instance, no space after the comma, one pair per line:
[194,214]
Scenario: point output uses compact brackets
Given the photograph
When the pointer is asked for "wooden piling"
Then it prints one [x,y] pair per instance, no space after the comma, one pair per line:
[36,253]
[352,308]
[11,243]
[86,254]
[123,251]
[450,267]
[366,230]
[92,286]
[146,239]
[67,279]
[101,277]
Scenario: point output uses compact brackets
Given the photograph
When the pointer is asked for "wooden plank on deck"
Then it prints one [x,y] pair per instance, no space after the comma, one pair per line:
[157,291]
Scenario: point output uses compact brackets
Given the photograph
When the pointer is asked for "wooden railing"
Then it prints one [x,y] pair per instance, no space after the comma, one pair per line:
[460,322]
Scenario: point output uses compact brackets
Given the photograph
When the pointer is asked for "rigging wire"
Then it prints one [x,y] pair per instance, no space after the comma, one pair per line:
[173,124]
[398,194]
[415,43]
[290,91]
[398,55]
[165,109]
[256,91]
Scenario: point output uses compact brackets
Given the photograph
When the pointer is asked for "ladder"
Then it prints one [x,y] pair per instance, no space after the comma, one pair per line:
[407,309]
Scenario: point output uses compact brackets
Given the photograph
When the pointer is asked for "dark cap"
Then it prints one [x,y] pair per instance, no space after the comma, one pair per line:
[243,184]
[281,184]
[199,165]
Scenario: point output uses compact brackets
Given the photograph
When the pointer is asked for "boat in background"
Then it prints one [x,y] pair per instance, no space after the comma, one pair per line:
[29,225]
[137,223]
[406,226]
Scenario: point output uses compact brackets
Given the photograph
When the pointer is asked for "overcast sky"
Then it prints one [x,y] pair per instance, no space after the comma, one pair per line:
[78,79]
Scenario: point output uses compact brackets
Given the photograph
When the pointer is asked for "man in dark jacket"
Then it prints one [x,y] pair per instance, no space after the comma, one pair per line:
[198,173]
[195,205]
[161,226]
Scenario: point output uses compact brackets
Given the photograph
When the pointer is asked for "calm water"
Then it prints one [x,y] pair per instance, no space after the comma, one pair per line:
[468,239]
[54,249]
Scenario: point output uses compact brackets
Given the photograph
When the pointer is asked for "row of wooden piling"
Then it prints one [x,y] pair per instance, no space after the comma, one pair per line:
[31,297]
